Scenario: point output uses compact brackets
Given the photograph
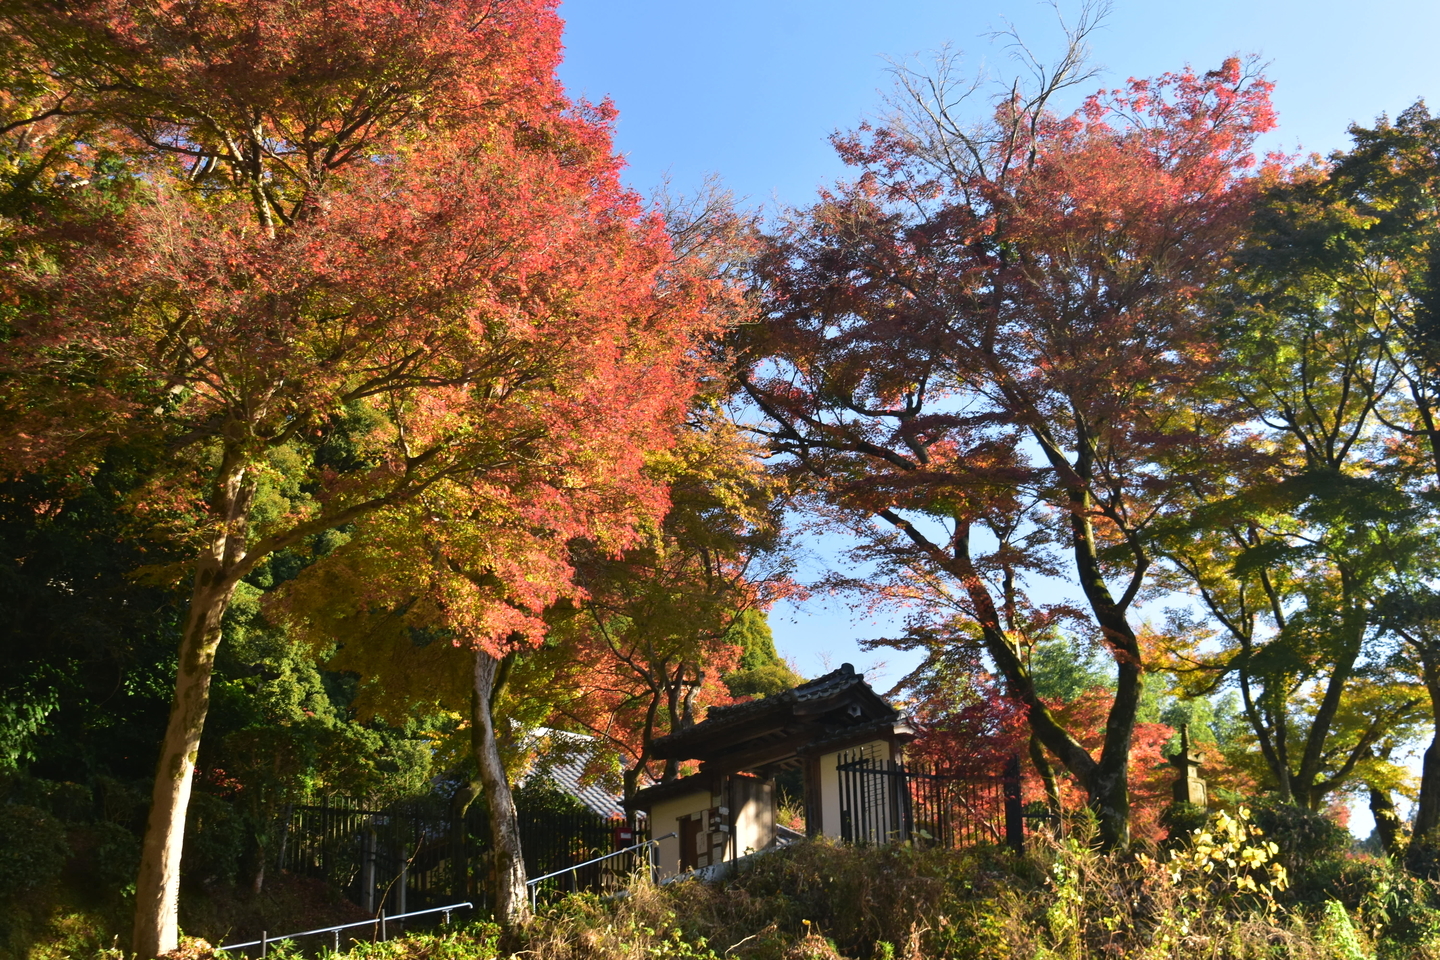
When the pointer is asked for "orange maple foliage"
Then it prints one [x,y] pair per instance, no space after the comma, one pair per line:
[992,337]
[365,266]
[980,737]
[645,654]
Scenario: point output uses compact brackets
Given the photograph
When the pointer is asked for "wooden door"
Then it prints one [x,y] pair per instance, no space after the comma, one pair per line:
[689,842]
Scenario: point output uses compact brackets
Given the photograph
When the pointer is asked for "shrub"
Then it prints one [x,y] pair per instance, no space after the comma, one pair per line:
[1311,844]
[215,837]
[1181,820]
[34,851]
[114,855]
[1400,911]
[1064,900]
[1339,934]
[1229,864]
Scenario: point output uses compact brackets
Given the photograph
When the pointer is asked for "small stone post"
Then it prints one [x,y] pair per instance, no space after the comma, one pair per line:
[1189,788]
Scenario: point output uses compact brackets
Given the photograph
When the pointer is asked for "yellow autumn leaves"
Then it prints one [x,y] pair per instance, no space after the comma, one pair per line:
[1227,855]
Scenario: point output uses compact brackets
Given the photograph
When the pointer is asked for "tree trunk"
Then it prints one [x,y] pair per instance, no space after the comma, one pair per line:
[257,881]
[263,825]
[157,888]
[632,774]
[1425,832]
[1046,770]
[1387,821]
[1425,835]
[464,885]
[464,795]
[673,686]
[1108,782]
[1304,781]
[512,903]
[1109,793]
[1002,649]
[630,781]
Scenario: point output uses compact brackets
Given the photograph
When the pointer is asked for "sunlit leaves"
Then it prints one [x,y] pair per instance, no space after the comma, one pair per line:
[987,356]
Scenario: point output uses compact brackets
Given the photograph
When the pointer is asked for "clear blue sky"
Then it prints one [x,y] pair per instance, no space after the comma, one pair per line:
[750,91]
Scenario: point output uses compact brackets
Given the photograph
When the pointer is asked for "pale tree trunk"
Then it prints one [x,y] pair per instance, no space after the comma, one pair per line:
[157,887]
[257,882]
[512,903]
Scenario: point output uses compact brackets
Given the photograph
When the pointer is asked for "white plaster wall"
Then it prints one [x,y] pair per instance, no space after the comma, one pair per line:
[830,782]
[664,818]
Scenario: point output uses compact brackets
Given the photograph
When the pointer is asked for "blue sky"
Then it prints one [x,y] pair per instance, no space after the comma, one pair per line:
[751,90]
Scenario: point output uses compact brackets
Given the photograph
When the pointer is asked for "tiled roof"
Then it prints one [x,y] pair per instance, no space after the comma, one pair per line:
[821,687]
[564,763]
[718,718]
[828,712]
[569,776]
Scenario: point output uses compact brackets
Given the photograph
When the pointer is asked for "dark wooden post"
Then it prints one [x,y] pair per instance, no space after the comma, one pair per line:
[1014,812]
[810,786]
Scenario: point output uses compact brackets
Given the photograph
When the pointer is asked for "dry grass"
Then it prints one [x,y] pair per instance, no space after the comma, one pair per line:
[823,901]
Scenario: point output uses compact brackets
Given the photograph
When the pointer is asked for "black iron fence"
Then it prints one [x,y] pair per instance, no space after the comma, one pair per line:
[883,801]
[416,855]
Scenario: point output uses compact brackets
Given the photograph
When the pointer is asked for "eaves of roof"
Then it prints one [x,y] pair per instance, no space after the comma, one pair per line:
[782,706]
[695,783]
[888,728]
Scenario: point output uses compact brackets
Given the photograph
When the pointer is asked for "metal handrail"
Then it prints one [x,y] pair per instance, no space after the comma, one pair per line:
[535,889]
[265,940]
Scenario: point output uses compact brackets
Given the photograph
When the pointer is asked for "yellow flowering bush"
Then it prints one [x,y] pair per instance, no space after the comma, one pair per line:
[1227,859]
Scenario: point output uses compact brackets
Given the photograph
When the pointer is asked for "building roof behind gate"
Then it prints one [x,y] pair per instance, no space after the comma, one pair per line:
[779,729]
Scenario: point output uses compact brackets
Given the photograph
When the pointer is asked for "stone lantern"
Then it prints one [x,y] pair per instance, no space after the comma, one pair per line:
[1189,788]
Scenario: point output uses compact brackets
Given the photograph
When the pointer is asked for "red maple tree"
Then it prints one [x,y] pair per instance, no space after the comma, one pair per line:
[365,266]
[986,357]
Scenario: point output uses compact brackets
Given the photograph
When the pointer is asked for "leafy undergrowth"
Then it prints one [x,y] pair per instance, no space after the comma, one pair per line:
[74,917]
[1229,893]
[223,914]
